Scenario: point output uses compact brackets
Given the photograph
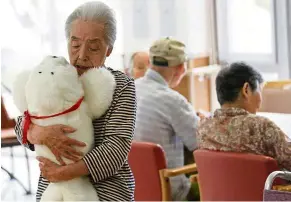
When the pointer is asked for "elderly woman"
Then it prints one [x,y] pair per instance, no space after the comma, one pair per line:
[91,32]
[235,127]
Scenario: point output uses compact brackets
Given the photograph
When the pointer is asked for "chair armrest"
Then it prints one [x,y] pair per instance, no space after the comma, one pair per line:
[178,171]
[8,138]
[166,173]
[193,178]
[8,134]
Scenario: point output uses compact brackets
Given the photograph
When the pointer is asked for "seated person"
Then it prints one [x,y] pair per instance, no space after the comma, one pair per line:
[164,116]
[139,63]
[236,127]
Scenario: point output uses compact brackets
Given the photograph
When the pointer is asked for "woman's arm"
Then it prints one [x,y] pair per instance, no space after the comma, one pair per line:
[105,160]
[277,145]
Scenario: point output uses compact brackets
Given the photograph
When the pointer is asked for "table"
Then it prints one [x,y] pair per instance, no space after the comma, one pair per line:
[281,120]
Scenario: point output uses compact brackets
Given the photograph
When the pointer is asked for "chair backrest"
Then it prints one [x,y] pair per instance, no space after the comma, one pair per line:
[280,84]
[6,122]
[232,176]
[146,160]
[272,96]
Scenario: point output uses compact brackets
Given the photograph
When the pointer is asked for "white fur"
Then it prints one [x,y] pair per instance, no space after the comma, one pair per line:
[44,93]
[18,91]
[97,100]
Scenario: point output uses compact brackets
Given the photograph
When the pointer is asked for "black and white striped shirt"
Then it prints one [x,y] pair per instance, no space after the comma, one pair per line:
[107,162]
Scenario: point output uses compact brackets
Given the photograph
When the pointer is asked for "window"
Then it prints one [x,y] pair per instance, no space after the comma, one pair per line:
[250,26]
[246,30]
[254,31]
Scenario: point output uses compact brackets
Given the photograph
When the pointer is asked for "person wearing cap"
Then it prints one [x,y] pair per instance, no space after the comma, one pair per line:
[139,63]
[164,116]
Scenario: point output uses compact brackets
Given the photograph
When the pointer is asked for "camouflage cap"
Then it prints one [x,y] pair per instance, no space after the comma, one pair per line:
[167,52]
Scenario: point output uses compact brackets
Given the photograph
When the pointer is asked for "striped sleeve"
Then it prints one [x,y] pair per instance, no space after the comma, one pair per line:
[18,132]
[105,160]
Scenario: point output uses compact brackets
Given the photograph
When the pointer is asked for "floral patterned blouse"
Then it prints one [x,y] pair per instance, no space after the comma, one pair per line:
[236,130]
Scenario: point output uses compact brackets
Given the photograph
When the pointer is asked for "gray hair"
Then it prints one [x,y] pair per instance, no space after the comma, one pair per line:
[95,11]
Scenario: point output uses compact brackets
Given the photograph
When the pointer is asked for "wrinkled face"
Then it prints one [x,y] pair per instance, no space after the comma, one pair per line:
[87,47]
[140,64]
[51,82]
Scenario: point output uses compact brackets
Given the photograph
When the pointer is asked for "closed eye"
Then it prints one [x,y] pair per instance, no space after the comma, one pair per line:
[94,49]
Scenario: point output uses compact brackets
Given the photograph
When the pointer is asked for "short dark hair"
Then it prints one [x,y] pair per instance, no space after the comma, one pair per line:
[231,79]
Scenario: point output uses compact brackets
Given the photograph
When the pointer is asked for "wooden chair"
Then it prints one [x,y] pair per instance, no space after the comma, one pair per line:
[229,176]
[9,139]
[148,164]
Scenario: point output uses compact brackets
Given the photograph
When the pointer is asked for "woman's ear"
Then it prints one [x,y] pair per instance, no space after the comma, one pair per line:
[246,89]
[109,51]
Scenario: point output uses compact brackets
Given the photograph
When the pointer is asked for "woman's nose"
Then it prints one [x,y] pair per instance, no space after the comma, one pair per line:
[83,54]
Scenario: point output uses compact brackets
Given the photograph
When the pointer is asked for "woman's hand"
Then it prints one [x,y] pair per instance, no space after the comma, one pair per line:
[200,115]
[203,115]
[56,173]
[52,171]
[54,137]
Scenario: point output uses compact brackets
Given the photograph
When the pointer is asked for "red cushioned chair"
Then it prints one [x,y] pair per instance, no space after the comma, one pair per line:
[148,164]
[228,176]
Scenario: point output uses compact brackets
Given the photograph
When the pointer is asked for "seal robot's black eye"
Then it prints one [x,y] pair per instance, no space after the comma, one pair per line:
[54,56]
[39,72]
[52,73]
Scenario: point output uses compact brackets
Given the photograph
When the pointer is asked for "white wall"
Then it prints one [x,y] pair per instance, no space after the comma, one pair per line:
[289,34]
